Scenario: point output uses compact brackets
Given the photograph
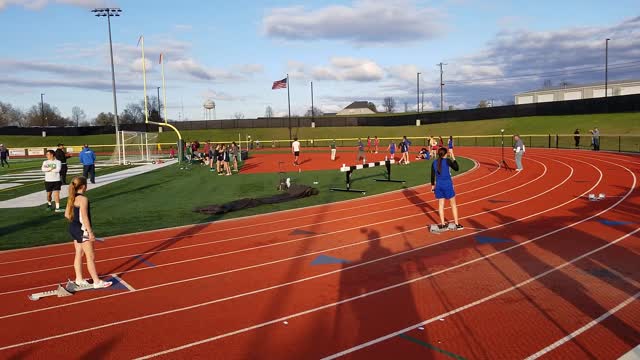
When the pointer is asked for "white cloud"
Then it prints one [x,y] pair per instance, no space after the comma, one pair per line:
[363,22]
[183,27]
[350,69]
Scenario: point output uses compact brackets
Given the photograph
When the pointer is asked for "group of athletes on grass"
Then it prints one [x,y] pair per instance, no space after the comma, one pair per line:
[219,157]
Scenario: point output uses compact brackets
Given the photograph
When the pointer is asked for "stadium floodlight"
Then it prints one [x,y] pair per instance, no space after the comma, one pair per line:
[108,13]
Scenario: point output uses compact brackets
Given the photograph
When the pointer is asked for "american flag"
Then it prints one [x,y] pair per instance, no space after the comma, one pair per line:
[280,84]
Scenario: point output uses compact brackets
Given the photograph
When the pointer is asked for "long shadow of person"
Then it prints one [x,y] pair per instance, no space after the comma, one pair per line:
[369,317]
[572,287]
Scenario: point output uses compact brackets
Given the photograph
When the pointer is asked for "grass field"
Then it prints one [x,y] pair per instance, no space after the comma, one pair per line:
[166,197]
[619,124]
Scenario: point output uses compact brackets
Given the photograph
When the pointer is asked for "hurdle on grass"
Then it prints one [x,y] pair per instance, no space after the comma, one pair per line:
[350,169]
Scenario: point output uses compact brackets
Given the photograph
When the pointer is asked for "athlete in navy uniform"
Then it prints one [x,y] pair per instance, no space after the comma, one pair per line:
[442,185]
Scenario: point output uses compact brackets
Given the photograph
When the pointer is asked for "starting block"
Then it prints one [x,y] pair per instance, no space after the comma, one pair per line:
[593,197]
[59,292]
[67,290]
[435,229]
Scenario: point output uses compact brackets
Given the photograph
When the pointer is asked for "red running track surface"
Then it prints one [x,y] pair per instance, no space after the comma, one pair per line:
[539,270]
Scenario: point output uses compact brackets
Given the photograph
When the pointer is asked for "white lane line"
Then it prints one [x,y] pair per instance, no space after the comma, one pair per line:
[269,222]
[465,307]
[126,284]
[313,277]
[633,354]
[584,328]
[307,237]
[360,215]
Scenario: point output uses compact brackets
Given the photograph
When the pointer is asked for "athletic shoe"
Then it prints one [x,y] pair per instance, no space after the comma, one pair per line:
[48,207]
[442,227]
[459,227]
[518,169]
[81,282]
[102,284]
[59,210]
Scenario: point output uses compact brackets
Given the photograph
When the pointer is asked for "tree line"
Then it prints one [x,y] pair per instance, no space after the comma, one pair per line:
[45,114]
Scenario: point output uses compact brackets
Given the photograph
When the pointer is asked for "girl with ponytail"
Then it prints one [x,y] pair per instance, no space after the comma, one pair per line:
[79,214]
[442,185]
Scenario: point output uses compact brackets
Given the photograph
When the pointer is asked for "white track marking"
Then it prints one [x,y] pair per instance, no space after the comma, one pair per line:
[584,328]
[294,240]
[126,284]
[322,275]
[633,354]
[477,302]
[476,167]
[264,223]
[297,227]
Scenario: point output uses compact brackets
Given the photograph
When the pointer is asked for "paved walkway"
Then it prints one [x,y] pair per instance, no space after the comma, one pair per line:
[38,198]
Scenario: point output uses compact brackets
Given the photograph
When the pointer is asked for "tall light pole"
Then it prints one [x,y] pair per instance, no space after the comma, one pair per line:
[42,107]
[108,13]
[418,92]
[606,66]
[159,117]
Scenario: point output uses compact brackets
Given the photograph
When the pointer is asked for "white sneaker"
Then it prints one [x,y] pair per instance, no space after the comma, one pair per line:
[518,169]
[81,282]
[102,284]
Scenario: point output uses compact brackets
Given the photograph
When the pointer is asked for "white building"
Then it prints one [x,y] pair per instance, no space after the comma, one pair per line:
[578,92]
[357,108]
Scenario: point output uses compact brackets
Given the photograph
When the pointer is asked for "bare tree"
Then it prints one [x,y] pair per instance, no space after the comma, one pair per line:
[104,119]
[10,115]
[389,104]
[372,107]
[77,115]
[483,104]
[238,116]
[316,112]
[268,112]
[51,116]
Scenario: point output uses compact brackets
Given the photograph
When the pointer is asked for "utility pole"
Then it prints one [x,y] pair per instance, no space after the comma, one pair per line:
[313,119]
[418,92]
[422,103]
[441,85]
[606,66]
[42,107]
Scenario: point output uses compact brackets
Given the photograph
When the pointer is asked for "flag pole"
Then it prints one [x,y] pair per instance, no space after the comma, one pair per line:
[289,104]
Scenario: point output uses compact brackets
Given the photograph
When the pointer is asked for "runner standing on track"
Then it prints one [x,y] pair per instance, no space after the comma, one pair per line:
[392,150]
[450,145]
[518,148]
[79,214]
[442,185]
[361,153]
[369,144]
[295,149]
[333,150]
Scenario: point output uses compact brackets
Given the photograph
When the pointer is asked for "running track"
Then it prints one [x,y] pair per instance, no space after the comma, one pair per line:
[539,271]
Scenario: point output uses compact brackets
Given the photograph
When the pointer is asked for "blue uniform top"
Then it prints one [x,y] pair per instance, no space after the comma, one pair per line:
[87,156]
[450,143]
[444,177]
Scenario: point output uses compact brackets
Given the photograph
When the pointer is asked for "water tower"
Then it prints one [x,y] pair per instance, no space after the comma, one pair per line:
[209,110]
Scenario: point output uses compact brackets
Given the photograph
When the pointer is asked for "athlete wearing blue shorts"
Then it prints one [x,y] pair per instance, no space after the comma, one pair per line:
[442,185]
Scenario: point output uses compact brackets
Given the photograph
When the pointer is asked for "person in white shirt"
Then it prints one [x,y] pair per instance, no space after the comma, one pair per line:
[295,148]
[51,168]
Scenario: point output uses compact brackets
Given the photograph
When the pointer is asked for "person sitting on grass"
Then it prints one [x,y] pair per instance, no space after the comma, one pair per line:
[423,154]
[442,185]
[78,212]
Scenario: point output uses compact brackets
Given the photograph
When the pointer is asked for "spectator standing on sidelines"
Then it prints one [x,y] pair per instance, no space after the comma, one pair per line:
[295,149]
[361,153]
[333,150]
[376,143]
[51,168]
[596,139]
[518,148]
[369,144]
[88,160]
[4,155]
[62,156]
[234,152]
[576,138]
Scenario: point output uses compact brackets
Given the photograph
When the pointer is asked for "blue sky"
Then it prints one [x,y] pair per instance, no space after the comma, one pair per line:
[231,51]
